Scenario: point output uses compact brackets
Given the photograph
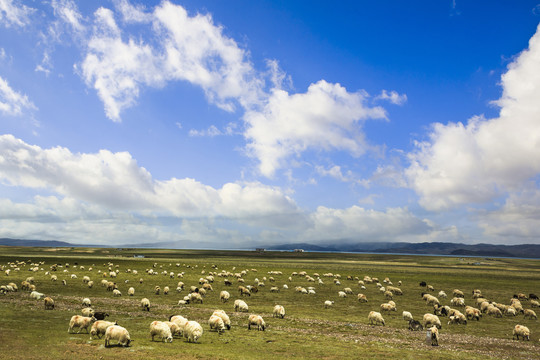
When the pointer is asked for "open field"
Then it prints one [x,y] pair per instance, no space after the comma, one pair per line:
[27,331]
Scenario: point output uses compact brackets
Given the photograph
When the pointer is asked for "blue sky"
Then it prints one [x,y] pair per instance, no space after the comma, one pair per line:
[220,124]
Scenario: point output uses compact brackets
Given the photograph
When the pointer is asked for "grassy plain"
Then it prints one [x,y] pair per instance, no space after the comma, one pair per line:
[27,331]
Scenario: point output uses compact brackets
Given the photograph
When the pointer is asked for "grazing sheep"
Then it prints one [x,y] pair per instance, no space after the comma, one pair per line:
[86,302]
[161,330]
[119,334]
[274,289]
[394,290]
[431,320]
[224,296]
[494,311]
[457,318]
[196,297]
[99,328]
[256,320]
[458,301]
[35,295]
[131,291]
[279,311]
[534,303]
[342,294]
[434,336]
[90,284]
[407,316]
[244,291]
[216,322]
[388,307]
[430,288]
[458,293]
[442,295]
[328,304]
[431,300]
[192,331]
[223,315]
[174,327]
[362,298]
[49,303]
[180,321]
[166,290]
[81,322]
[348,291]
[528,313]
[100,315]
[240,305]
[520,330]
[472,313]
[145,304]
[388,295]
[117,292]
[88,312]
[415,325]
[375,318]
[511,311]
[157,290]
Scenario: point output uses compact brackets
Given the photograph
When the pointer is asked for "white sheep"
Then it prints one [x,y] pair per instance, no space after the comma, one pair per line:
[375,318]
[180,321]
[256,320]
[388,307]
[240,305]
[117,292]
[224,296]
[528,313]
[279,311]
[442,295]
[520,330]
[216,322]
[119,334]
[431,320]
[434,336]
[99,328]
[193,331]
[457,301]
[175,328]
[362,298]
[223,315]
[161,330]
[131,291]
[328,304]
[34,295]
[86,302]
[342,294]
[87,311]
[80,322]
[145,304]
[407,316]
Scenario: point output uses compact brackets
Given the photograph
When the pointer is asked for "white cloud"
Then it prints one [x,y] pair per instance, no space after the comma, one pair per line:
[393,97]
[326,117]
[12,12]
[11,102]
[359,224]
[132,13]
[476,162]
[213,131]
[68,12]
[116,182]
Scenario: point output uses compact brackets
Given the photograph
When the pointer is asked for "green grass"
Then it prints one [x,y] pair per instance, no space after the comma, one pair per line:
[27,331]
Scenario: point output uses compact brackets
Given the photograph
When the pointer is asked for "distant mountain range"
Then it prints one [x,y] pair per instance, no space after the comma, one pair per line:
[433,248]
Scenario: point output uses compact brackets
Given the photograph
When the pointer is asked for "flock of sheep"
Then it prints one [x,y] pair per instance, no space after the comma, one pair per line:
[94,323]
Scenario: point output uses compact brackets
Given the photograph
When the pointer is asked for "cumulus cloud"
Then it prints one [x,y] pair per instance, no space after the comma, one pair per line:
[480,160]
[12,102]
[393,97]
[115,181]
[13,13]
[326,117]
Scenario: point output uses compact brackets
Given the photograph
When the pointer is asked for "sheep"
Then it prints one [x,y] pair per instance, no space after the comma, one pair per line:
[511,311]
[196,297]
[458,293]
[36,295]
[223,315]
[145,304]
[240,305]
[457,318]
[494,311]
[342,294]
[100,315]
[442,295]
[362,298]
[407,316]
[117,292]
[375,318]
[119,334]
[394,290]
[90,284]
[174,327]
[86,302]
[279,311]
[328,304]
[434,336]
[100,327]
[88,312]
[216,322]
[431,300]
[256,320]
[472,313]
[81,322]
[430,288]
[274,289]
[161,330]
[157,290]
[131,291]
[192,331]
[534,303]
[458,301]
[528,313]
[388,307]
[430,319]
[224,296]
[348,291]
[520,330]
[49,303]
[244,291]
[180,321]
[415,325]
[166,290]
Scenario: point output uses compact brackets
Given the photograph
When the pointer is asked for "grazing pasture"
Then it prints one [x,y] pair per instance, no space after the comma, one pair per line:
[308,329]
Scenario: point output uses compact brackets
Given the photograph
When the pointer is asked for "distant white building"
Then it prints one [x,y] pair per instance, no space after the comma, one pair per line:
[298,250]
